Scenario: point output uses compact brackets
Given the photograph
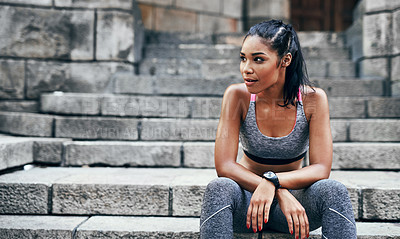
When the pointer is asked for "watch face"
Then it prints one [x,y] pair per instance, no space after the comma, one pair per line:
[269,174]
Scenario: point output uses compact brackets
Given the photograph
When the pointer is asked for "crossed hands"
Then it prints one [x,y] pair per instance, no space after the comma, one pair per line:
[260,204]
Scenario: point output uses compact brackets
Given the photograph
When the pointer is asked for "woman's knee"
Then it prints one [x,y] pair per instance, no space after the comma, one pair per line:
[330,188]
[221,184]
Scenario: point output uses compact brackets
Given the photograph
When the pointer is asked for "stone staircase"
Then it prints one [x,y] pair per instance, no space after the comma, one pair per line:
[134,161]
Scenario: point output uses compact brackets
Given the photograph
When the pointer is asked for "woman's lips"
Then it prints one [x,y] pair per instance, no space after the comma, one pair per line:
[249,81]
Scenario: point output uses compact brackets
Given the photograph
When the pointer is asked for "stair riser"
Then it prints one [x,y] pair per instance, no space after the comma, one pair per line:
[201,155]
[146,227]
[216,86]
[115,193]
[197,107]
[210,69]
[112,128]
[231,52]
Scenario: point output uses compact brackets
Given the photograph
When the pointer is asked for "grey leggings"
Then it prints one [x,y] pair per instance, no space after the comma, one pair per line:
[326,202]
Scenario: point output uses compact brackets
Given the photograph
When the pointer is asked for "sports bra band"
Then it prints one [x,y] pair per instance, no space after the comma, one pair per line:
[272,161]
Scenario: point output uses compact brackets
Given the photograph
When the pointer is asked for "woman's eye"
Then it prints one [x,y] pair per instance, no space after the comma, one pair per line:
[258,59]
[242,58]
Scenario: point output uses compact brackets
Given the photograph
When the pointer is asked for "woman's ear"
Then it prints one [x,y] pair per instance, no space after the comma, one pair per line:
[286,60]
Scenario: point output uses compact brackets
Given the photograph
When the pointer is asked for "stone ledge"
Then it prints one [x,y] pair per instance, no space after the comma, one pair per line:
[148,227]
[108,191]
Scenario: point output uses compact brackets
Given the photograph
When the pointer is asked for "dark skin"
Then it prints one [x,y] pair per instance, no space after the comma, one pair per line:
[264,75]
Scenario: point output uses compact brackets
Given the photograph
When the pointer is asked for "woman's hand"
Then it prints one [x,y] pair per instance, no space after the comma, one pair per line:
[260,204]
[294,212]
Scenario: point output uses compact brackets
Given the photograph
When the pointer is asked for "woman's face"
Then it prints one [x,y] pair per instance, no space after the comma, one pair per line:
[258,65]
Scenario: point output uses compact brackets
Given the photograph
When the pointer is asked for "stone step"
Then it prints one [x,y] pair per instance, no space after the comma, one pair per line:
[172,129]
[195,106]
[225,51]
[19,151]
[307,39]
[212,68]
[358,156]
[74,227]
[125,83]
[161,192]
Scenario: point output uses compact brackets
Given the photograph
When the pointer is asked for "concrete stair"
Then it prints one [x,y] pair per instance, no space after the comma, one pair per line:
[134,162]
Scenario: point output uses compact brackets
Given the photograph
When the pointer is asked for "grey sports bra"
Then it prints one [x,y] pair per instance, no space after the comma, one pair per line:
[274,150]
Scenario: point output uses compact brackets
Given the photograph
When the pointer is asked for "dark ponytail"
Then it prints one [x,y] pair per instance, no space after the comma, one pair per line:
[283,39]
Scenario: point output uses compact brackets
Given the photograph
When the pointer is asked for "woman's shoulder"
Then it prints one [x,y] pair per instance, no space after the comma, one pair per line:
[314,100]
[237,92]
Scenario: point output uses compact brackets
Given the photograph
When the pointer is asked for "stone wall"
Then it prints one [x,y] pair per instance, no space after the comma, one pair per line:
[209,16]
[374,39]
[60,45]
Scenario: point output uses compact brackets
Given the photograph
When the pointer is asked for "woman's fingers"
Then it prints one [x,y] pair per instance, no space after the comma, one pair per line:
[254,215]
[302,226]
[307,225]
[290,223]
[248,216]
[296,224]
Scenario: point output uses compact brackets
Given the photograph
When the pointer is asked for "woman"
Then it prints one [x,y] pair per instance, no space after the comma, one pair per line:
[278,117]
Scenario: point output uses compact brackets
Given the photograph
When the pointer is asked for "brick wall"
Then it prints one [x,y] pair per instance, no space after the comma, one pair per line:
[209,16]
[60,45]
[375,41]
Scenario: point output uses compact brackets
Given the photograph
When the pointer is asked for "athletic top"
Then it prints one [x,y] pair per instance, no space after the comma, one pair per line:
[274,150]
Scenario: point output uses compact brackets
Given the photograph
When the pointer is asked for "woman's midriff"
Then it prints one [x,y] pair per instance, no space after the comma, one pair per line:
[259,169]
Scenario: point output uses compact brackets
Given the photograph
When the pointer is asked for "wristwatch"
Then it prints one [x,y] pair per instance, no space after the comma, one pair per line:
[271,176]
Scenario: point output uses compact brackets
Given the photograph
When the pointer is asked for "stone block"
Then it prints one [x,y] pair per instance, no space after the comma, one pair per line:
[171,66]
[384,107]
[96,128]
[156,106]
[384,130]
[395,76]
[115,36]
[187,200]
[178,129]
[123,153]
[123,4]
[200,6]
[374,67]
[215,24]
[321,39]
[27,124]
[129,83]
[350,87]
[15,152]
[12,79]
[377,36]
[347,107]
[139,227]
[70,103]
[220,68]
[317,68]
[20,198]
[194,86]
[198,155]
[323,53]
[156,2]
[269,8]
[232,8]
[366,156]
[396,32]
[175,20]
[375,6]
[20,106]
[354,39]
[71,77]
[49,151]
[30,2]
[13,226]
[379,204]
[115,191]
[46,33]
[339,130]
[110,199]
[206,107]
[341,69]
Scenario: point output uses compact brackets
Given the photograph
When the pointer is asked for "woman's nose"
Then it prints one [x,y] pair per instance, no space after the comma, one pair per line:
[247,68]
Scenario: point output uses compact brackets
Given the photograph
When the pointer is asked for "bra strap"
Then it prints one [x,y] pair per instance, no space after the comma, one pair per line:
[253,98]
[299,96]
